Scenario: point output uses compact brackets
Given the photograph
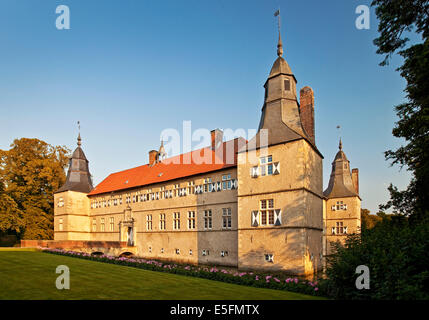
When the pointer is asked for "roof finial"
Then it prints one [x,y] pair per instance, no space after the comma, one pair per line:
[280,44]
[340,146]
[79,140]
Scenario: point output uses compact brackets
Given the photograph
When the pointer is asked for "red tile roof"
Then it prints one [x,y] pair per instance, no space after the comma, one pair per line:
[184,165]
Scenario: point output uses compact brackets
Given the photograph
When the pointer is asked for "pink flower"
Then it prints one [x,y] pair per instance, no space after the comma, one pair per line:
[256,278]
[296,280]
[315,289]
[268,277]
[276,280]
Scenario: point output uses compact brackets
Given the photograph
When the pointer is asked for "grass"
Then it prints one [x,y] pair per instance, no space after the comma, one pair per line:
[31,275]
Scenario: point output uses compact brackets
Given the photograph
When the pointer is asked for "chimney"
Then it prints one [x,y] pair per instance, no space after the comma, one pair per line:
[306,101]
[216,138]
[153,157]
[355,179]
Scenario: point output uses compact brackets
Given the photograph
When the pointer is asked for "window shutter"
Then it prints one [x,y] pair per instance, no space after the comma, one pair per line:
[235,184]
[197,189]
[254,172]
[214,186]
[276,168]
[219,186]
[333,230]
[255,218]
[277,217]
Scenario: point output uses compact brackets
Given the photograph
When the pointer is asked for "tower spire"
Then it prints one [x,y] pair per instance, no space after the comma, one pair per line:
[340,146]
[279,44]
[79,139]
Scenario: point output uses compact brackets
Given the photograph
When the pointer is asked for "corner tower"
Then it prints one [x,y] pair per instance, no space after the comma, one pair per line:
[343,202]
[280,199]
[71,204]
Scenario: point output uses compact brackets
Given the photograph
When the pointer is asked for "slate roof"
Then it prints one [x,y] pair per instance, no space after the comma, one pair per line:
[78,175]
[340,183]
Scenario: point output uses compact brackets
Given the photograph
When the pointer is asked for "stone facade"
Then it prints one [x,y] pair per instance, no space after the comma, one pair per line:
[264,210]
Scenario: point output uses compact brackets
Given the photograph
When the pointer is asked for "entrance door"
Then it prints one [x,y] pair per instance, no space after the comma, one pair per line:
[130,236]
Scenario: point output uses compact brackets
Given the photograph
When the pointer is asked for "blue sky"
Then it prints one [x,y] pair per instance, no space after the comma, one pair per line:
[130,69]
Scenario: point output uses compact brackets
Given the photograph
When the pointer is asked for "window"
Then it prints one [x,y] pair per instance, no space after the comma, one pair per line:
[149,222]
[94,224]
[177,251]
[287,84]
[223,253]
[208,187]
[205,252]
[191,187]
[162,221]
[176,220]
[150,249]
[339,228]
[102,227]
[60,202]
[191,219]
[190,252]
[267,212]
[339,206]
[226,182]
[269,257]
[226,218]
[162,250]
[60,224]
[266,167]
[207,219]
[112,224]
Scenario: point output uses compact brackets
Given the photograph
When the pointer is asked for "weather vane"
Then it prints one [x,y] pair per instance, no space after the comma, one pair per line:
[277,14]
[339,134]
[279,45]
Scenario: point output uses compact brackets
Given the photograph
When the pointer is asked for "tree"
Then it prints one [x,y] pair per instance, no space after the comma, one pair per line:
[30,172]
[396,18]
[368,221]
[396,255]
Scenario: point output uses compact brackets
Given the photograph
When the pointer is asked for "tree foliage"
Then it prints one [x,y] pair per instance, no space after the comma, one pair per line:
[30,172]
[396,255]
[397,17]
[368,220]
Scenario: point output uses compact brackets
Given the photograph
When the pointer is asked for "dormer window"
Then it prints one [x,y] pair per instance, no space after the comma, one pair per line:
[287,84]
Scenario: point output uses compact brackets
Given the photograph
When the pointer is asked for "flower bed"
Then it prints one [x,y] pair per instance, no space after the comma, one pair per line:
[292,284]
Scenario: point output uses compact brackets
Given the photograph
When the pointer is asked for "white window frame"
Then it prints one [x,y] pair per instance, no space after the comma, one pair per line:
[226,218]
[208,219]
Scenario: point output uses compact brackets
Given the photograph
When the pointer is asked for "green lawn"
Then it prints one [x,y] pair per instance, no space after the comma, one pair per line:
[31,275]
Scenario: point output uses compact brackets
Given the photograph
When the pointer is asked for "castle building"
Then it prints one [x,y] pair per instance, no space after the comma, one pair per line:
[343,203]
[270,213]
